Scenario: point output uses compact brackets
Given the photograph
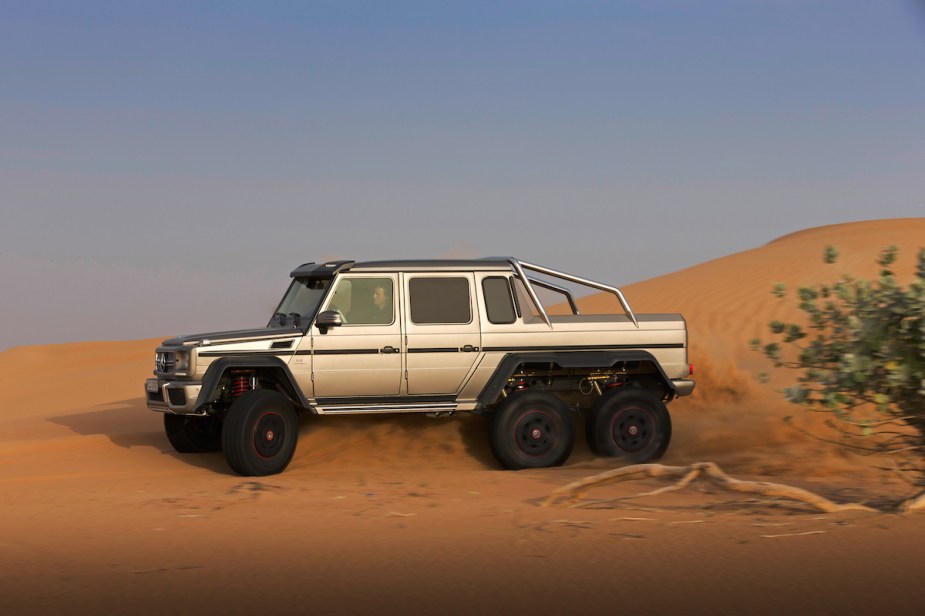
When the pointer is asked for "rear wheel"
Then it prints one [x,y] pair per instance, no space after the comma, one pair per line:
[532,429]
[631,424]
[260,433]
[190,434]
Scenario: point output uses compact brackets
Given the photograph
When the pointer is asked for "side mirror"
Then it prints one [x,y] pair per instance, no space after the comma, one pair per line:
[328,318]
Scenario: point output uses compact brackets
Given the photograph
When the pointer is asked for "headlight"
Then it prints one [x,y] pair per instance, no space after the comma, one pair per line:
[182,364]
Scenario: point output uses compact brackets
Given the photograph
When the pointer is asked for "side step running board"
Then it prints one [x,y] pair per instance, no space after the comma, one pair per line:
[417,407]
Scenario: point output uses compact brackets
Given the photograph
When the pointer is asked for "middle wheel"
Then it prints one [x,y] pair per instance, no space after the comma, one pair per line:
[532,429]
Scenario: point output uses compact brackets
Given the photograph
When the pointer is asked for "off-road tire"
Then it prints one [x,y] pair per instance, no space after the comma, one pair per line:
[532,429]
[260,433]
[631,424]
[189,434]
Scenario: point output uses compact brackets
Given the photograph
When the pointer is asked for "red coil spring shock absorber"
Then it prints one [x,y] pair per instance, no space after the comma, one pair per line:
[239,385]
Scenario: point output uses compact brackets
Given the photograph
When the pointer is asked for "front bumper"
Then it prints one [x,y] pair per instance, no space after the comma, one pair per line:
[178,397]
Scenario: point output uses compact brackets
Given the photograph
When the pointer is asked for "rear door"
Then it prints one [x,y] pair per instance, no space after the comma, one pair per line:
[441,330]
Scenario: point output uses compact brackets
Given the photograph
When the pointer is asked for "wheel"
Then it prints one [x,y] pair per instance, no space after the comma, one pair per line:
[630,424]
[532,429]
[260,433]
[190,434]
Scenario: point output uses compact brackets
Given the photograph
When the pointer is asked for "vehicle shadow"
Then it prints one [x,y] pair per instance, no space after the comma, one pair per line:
[129,424]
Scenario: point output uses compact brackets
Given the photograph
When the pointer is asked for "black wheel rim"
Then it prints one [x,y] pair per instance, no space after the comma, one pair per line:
[632,430]
[535,433]
[269,435]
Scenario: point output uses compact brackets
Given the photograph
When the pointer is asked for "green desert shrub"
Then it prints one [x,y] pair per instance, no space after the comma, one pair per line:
[860,356]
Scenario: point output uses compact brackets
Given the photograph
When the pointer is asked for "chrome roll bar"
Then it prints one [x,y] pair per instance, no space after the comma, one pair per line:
[520,266]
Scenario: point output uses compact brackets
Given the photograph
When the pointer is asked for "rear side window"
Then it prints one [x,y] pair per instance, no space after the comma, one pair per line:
[499,303]
[440,300]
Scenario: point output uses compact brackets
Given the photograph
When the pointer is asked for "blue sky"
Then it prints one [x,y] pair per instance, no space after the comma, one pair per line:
[163,166]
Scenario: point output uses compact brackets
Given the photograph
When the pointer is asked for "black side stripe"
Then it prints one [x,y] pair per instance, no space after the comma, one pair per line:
[346,352]
[231,353]
[588,347]
[435,350]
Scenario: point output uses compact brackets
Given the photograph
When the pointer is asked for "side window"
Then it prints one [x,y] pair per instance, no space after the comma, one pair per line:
[440,300]
[499,303]
[364,301]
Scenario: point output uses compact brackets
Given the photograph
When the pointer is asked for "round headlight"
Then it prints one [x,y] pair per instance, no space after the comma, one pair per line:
[182,364]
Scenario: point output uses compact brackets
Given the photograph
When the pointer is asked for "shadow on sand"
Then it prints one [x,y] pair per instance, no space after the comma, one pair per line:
[129,424]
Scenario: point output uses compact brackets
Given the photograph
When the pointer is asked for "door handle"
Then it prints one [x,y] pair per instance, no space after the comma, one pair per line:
[388,349]
[469,349]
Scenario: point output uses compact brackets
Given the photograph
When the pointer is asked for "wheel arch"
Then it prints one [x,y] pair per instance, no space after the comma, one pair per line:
[273,367]
[568,359]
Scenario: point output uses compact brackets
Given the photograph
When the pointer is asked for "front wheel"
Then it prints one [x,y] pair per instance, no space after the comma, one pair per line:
[532,429]
[189,434]
[631,424]
[260,433]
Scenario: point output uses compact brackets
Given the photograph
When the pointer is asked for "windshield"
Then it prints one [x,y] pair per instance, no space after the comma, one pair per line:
[300,302]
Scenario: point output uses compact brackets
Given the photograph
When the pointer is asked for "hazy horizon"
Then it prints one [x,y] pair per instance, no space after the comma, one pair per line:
[164,167]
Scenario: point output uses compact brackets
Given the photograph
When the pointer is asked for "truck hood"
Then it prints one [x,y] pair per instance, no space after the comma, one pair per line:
[262,333]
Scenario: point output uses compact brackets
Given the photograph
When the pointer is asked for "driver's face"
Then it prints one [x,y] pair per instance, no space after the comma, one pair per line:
[379,297]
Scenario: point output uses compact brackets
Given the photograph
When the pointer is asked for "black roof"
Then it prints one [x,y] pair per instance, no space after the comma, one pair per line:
[433,264]
[328,270]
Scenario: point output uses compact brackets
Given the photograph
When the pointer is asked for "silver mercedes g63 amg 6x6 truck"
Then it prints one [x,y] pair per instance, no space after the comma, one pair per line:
[440,337]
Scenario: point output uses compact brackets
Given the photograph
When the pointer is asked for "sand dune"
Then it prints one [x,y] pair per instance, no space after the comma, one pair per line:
[412,515]
[727,302]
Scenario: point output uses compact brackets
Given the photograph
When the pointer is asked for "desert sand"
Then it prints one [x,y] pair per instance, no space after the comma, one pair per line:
[410,515]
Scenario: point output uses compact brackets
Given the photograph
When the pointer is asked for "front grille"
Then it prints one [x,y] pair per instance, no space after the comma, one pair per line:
[177,396]
[164,362]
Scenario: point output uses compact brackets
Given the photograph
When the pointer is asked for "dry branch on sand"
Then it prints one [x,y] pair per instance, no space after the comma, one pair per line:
[683,476]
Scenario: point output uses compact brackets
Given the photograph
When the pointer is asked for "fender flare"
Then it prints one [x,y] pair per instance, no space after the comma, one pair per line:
[565,359]
[217,369]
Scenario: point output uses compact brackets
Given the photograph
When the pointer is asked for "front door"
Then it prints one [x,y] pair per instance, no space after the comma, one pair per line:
[363,356]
